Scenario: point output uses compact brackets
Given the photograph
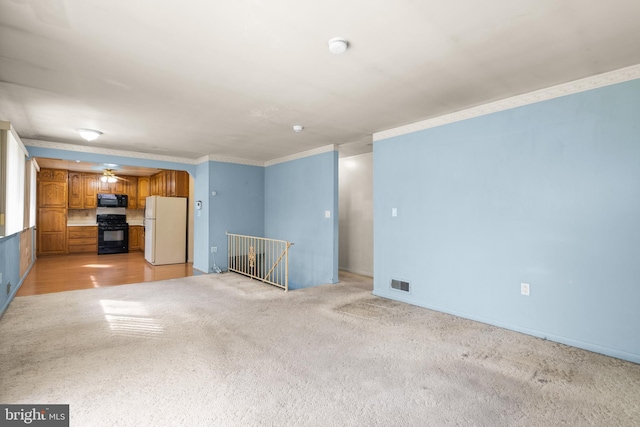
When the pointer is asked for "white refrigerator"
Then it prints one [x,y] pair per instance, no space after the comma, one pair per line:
[165,230]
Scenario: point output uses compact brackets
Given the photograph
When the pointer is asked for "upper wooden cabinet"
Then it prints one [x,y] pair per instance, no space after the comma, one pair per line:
[118,187]
[170,183]
[178,185]
[144,191]
[155,184]
[79,190]
[132,191]
[83,190]
[76,193]
[58,175]
[90,190]
[52,194]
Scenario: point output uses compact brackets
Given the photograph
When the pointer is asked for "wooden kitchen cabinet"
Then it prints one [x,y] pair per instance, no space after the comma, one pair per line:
[178,184]
[82,239]
[51,227]
[144,191]
[52,224]
[170,183]
[76,199]
[58,175]
[104,187]
[52,188]
[52,194]
[117,187]
[162,183]
[136,238]
[153,185]
[90,190]
[132,191]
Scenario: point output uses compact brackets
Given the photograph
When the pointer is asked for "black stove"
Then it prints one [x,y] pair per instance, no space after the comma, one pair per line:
[113,234]
[108,219]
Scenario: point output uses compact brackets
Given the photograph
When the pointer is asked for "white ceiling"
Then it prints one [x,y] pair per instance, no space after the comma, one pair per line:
[195,78]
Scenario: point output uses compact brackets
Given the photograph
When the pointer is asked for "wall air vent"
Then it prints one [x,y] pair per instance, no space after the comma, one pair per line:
[400,285]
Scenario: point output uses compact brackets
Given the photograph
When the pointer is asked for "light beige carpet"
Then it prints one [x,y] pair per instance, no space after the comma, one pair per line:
[222,350]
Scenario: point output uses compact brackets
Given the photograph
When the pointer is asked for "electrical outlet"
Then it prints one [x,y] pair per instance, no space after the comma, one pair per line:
[214,249]
[524,289]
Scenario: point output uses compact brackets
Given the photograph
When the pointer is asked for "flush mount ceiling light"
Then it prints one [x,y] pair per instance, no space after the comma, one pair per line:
[89,134]
[338,45]
[298,128]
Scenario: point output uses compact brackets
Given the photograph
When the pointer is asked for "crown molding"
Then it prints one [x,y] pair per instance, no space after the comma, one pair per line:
[158,157]
[107,151]
[7,126]
[308,153]
[223,159]
[576,86]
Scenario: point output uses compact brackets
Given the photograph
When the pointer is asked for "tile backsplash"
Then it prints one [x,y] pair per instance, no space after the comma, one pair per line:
[135,214]
[89,215]
[81,215]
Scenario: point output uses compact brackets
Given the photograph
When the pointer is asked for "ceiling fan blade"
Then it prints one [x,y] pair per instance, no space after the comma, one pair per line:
[121,179]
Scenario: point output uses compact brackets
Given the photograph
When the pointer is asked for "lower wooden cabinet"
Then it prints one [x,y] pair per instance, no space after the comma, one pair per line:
[51,237]
[136,238]
[83,239]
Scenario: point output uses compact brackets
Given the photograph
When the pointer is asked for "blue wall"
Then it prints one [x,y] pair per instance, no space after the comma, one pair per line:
[547,194]
[10,268]
[297,194]
[201,192]
[237,207]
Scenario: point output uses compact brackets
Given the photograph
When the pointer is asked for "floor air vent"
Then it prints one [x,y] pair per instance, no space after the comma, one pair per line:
[400,285]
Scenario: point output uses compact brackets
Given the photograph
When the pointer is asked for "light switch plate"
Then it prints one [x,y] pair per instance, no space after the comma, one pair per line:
[327,214]
[394,211]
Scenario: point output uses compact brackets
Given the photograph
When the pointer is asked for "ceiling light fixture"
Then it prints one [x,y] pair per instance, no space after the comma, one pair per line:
[89,134]
[298,128]
[338,45]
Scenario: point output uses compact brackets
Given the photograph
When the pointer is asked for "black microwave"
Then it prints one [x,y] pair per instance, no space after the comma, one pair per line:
[113,200]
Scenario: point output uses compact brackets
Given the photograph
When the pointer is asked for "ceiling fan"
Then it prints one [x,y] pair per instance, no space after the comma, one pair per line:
[109,176]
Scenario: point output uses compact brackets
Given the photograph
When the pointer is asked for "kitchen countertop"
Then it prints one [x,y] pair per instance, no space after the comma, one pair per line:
[90,224]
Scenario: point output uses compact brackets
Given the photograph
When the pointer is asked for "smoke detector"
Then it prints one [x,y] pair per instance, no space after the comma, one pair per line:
[298,128]
[338,45]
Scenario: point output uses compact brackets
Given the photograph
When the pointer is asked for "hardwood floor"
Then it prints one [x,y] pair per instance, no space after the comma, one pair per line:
[57,273]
